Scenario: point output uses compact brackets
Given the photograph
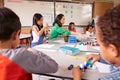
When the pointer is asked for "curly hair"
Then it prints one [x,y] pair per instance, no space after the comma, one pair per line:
[109,27]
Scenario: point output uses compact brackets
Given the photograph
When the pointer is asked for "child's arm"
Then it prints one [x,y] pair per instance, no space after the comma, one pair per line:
[77,73]
[62,31]
[39,33]
[96,58]
[33,61]
[76,33]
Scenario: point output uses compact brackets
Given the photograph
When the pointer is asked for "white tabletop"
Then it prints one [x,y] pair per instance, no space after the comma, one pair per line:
[64,60]
[56,43]
[23,36]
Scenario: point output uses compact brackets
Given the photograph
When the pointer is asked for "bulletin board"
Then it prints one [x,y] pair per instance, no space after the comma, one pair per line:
[81,14]
[26,9]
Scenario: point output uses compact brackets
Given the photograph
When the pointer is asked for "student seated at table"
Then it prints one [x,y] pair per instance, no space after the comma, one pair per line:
[108,36]
[38,30]
[90,31]
[19,63]
[57,28]
[71,27]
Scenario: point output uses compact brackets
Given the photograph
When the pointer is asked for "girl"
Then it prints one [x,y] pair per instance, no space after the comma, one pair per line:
[71,27]
[57,28]
[108,36]
[90,31]
[37,32]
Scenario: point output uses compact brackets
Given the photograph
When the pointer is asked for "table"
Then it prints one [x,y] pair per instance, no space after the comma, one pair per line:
[25,37]
[56,43]
[64,61]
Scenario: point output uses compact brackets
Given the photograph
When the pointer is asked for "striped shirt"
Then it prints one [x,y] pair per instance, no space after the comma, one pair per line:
[114,73]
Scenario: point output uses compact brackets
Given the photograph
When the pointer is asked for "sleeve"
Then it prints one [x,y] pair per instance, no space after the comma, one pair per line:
[103,61]
[36,62]
[62,31]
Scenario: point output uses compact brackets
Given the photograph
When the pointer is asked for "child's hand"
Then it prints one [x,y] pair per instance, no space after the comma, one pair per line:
[77,73]
[46,26]
[95,57]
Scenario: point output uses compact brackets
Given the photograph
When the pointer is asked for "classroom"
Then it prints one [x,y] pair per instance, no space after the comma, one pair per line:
[59,40]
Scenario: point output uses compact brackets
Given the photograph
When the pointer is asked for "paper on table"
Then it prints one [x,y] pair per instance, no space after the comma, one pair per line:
[82,47]
[91,53]
[45,46]
[70,45]
[96,47]
[76,57]
[103,68]
[59,41]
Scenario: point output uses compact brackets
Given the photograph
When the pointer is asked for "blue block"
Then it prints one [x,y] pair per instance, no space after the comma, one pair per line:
[72,39]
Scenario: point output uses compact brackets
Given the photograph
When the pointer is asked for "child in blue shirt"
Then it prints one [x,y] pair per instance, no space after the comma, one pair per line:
[108,36]
[38,30]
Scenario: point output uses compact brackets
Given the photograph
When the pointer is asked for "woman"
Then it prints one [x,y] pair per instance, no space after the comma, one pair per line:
[57,28]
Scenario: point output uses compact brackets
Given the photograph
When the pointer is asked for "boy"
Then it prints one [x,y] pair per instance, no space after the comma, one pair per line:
[108,36]
[19,63]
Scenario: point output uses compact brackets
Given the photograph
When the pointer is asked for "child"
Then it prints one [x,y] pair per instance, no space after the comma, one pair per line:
[38,30]
[57,28]
[108,36]
[19,63]
[71,27]
[90,31]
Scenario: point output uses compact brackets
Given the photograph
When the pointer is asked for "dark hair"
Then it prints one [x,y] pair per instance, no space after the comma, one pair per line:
[9,23]
[88,26]
[70,25]
[108,26]
[57,20]
[36,18]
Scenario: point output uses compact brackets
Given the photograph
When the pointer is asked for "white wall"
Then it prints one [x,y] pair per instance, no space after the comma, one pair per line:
[26,9]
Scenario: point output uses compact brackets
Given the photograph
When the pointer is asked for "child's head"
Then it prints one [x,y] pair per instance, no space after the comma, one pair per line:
[38,19]
[90,28]
[60,19]
[71,25]
[108,34]
[10,26]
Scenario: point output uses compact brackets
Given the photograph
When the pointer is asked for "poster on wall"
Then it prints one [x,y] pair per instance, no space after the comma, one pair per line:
[78,13]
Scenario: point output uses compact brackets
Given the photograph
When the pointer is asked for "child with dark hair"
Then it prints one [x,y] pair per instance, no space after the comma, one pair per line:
[19,63]
[71,27]
[90,31]
[57,28]
[38,30]
[108,36]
